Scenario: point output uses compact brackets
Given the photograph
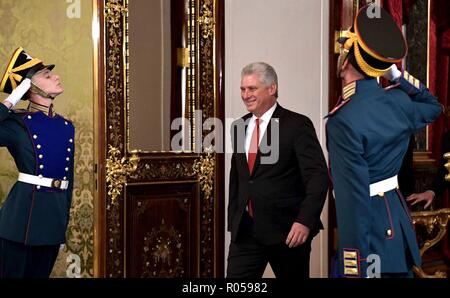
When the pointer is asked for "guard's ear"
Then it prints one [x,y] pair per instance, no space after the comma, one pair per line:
[345,64]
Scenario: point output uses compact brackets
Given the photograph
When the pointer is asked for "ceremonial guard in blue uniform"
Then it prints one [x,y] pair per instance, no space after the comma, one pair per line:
[35,214]
[367,136]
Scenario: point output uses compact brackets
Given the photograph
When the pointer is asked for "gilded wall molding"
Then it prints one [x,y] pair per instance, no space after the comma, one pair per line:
[115,11]
[431,220]
[207,103]
[118,169]
[154,170]
[114,22]
[447,166]
[206,20]
[205,170]
[207,92]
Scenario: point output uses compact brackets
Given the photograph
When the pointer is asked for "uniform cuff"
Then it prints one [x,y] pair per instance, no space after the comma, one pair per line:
[432,192]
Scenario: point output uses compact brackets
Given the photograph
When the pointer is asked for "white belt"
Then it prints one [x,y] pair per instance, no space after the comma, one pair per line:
[42,181]
[380,187]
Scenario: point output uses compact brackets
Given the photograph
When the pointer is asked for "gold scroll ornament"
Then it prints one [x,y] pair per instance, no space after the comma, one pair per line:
[117,170]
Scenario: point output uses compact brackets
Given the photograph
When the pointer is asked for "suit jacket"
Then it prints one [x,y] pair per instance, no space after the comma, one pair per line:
[367,139]
[40,145]
[289,181]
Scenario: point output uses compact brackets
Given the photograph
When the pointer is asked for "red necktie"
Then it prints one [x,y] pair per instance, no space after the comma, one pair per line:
[252,151]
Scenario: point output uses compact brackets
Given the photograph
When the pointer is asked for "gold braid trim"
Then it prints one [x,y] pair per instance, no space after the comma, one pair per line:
[369,70]
[353,40]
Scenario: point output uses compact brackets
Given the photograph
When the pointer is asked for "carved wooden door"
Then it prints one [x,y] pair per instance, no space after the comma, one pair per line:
[160,214]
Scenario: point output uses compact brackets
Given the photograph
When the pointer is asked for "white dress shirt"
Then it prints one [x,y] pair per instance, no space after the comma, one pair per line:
[263,122]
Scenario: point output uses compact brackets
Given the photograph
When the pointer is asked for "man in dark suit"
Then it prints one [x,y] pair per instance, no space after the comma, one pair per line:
[35,214]
[278,183]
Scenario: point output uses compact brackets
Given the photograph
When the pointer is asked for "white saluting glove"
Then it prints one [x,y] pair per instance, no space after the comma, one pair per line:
[19,92]
[392,74]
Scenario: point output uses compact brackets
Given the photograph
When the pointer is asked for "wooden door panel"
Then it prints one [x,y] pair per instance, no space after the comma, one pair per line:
[162,230]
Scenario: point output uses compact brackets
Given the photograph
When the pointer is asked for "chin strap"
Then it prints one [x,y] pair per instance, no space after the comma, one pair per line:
[41,92]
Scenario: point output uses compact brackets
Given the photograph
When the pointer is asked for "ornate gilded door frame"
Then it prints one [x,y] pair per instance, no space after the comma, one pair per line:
[119,168]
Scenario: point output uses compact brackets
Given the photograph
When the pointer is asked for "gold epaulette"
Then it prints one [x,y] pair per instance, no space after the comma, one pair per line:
[348,91]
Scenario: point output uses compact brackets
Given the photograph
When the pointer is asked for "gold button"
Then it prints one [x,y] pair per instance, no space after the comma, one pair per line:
[38,146]
[381,194]
[41,156]
[389,232]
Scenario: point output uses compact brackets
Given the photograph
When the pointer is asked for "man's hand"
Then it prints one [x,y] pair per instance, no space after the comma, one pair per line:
[426,196]
[298,235]
[392,73]
[17,93]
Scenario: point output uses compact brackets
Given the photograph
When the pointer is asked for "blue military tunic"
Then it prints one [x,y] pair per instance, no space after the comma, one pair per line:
[43,146]
[367,138]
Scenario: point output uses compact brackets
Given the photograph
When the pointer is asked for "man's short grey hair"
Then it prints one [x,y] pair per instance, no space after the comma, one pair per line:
[264,71]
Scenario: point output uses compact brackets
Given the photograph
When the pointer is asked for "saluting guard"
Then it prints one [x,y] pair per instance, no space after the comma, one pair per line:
[367,137]
[35,214]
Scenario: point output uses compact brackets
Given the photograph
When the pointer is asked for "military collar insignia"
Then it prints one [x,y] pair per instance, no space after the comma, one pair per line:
[348,90]
[35,107]
[340,104]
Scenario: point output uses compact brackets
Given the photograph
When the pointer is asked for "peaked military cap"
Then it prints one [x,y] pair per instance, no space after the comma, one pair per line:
[21,66]
[375,39]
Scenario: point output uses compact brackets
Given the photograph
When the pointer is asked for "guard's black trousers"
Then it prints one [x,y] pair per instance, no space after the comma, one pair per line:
[18,260]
